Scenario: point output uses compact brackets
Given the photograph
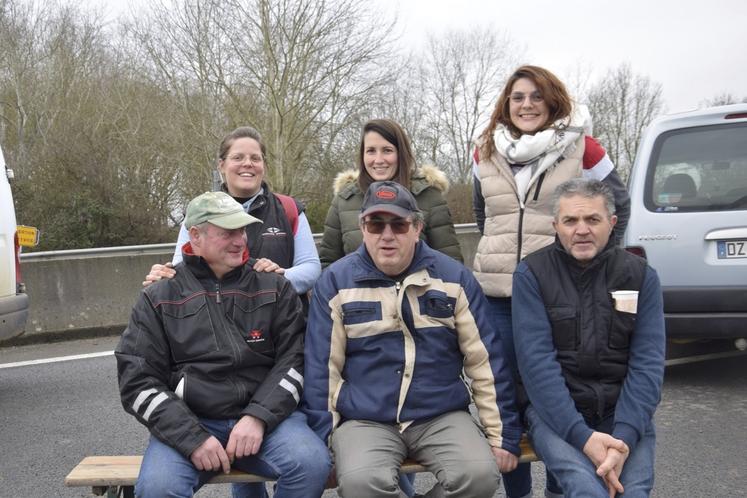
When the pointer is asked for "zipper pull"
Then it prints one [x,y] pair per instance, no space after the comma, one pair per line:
[217,293]
[397,286]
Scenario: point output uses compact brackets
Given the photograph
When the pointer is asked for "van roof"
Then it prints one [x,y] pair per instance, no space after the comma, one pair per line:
[701,117]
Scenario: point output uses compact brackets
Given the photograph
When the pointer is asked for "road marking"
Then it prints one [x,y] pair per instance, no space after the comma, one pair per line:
[669,363]
[56,360]
[703,357]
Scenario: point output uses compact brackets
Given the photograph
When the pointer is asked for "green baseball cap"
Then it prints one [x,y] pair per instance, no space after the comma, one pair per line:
[219,209]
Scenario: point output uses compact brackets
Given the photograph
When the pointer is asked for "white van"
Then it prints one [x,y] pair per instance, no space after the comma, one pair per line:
[14,303]
[688,217]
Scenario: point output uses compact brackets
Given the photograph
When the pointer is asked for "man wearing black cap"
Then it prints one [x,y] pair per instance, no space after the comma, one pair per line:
[391,328]
[212,361]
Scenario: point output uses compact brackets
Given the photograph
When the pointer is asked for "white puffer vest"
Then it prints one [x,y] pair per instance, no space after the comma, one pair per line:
[511,230]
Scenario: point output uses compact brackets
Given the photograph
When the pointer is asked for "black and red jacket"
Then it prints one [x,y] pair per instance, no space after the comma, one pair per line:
[200,347]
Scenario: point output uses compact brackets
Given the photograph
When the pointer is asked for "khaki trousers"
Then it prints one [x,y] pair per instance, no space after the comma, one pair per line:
[452,446]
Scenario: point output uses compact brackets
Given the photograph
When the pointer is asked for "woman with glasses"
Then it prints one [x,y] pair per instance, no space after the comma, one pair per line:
[283,242]
[385,154]
[536,139]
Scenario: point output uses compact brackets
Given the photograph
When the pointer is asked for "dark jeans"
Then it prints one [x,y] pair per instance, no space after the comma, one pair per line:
[575,472]
[291,453]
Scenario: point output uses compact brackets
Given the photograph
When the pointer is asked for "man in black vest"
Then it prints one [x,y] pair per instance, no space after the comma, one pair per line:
[589,333]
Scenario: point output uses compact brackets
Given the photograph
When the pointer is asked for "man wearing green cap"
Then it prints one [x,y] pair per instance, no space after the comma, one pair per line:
[212,363]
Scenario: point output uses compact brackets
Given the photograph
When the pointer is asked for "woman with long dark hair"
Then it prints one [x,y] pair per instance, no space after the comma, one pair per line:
[385,153]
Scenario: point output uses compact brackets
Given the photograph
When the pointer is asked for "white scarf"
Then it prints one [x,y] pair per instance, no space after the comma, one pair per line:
[540,151]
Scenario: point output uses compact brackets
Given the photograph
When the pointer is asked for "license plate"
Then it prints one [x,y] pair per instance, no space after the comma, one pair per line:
[732,249]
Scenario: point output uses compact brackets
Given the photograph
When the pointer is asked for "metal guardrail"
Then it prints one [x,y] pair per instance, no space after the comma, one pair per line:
[465,228]
[96,252]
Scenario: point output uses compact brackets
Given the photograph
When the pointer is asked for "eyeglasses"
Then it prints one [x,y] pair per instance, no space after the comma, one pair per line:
[399,226]
[240,158]
[535,97]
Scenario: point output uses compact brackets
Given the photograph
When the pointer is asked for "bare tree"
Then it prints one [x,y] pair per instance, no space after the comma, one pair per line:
[722,99]
[622,104]
[178,46]
[317,64]
[295,69]
[91,140]
[463,74]
[23,32]
[404,100]
[578,79]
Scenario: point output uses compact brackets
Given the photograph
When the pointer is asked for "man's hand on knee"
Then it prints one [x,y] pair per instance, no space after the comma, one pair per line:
[505,460]
[211,456]
[245,438]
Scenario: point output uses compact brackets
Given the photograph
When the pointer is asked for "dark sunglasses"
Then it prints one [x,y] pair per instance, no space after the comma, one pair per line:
[399,225]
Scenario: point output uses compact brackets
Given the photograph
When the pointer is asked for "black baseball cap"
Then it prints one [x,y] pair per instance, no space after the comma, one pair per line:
[388,197]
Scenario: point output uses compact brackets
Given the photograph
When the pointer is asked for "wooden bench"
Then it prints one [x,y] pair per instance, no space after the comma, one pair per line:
[114,476]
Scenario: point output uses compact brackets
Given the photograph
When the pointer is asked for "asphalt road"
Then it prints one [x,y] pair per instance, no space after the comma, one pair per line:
[53,414]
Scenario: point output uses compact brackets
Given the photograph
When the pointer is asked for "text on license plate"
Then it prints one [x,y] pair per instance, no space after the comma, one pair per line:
[728,249]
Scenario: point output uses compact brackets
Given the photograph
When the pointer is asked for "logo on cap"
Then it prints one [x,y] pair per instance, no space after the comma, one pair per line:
[386,194]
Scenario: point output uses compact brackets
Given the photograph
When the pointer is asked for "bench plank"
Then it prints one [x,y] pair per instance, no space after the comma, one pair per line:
[123,471]
[101,472]
[527,452]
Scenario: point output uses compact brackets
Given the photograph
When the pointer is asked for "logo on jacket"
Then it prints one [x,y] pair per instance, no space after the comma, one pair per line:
[273,232]
[255,335]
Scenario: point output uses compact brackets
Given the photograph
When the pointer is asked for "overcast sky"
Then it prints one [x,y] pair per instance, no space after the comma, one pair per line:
[695,49]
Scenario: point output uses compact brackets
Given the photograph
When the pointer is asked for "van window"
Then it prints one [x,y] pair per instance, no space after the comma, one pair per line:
[698,169]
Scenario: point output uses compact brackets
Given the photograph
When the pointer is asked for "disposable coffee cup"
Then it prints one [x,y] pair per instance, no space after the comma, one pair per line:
[625,300]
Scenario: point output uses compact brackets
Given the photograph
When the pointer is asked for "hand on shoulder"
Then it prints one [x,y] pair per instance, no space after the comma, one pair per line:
[157,272]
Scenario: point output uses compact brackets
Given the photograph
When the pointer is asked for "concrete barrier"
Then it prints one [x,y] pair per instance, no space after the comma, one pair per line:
[84,292]
[91,291]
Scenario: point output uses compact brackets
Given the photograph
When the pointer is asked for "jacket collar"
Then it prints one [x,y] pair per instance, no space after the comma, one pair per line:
[346,182]
[261,196]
